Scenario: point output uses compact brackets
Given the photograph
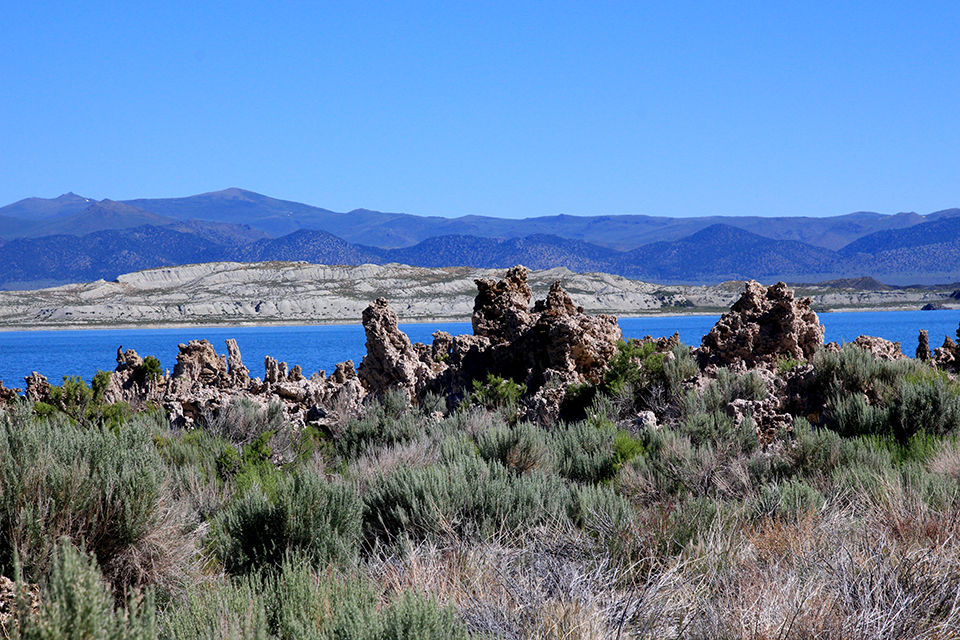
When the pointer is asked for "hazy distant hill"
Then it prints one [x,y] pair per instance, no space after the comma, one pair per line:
[104,254]
[714,254]
[36,209]
[105,215]
[397,230]
[536,252]
[73,238]
[937,231]
[221,233]
[318,247]
[722,252]
[237,206]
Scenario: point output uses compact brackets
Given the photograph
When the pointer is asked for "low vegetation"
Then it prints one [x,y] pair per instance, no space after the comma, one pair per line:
[409,522]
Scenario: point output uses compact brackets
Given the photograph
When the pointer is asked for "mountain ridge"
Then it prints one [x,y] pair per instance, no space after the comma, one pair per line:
[107,237]
[369,227]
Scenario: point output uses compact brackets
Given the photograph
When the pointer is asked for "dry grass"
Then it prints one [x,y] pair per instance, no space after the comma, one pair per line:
[838,573]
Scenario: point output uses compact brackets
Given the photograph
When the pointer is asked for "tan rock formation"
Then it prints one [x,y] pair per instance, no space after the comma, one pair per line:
[199,365]
[391,360]
[764,325]
[923,345]
[8,395]
[880,348]
[947,357]
[501,310]
[38,389]
[545,348]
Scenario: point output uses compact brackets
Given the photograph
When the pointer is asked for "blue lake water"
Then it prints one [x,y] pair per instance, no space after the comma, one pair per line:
[320,347]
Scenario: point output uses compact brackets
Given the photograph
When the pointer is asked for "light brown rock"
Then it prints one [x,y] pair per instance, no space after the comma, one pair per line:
[880,348]
[764,325]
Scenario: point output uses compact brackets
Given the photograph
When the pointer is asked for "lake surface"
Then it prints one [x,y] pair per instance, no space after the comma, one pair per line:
[320,347]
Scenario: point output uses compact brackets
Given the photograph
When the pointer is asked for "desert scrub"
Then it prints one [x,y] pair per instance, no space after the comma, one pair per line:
[464,495]
[501,395]
[76,604]
[312,517]
[869,396]
[100,487]
[638,377]
[589,451]
[243,421]
[386,421]
[300,602]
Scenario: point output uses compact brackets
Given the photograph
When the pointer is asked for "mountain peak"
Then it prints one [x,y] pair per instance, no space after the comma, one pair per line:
[232,193]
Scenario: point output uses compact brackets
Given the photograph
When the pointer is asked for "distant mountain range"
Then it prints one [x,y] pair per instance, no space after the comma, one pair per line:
[45,242]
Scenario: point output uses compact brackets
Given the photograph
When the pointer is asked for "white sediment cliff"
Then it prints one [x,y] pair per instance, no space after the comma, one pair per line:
[297,293]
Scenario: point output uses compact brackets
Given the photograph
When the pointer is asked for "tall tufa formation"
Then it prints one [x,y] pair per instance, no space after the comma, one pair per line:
[550,345]
[764,325]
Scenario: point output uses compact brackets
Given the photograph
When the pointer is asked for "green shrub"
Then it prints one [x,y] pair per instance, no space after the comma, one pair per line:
[670,462]
[765,468]
[856,370]
[601,509]
[715,427]
[729,386]
[524,447]
[228,462]
[412,616]
[682,366]
[72,397]
[99,487]
[243,421]
[223,609]
[909,406]
[311,517]
[814,451]
[929,404]
[302,603]
[497,394]
[297,602]
[76,604]
[625,448]
[633,364]
[585,453]
[385,423]
[687,523]
[150,369]
[99,384]
[465,495]
[789,500]
[853,415]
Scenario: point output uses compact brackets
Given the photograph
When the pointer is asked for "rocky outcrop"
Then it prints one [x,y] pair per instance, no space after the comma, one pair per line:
[545,347]
[765,325]
[923,345]
[238,373]
[880,348]
[947,357]
[38,389]
[391,360]
[198,365]
[501,310]
[131,383]
[8,395]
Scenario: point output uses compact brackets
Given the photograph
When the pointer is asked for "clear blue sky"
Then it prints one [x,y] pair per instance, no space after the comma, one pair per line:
[494,108]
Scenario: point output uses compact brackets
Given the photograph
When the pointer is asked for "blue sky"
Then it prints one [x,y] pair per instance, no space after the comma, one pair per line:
[508,109]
